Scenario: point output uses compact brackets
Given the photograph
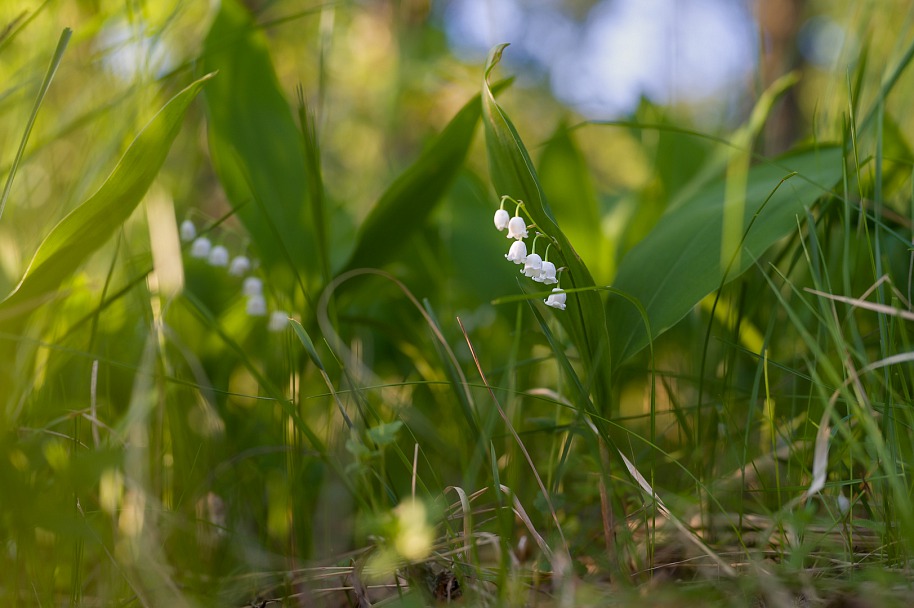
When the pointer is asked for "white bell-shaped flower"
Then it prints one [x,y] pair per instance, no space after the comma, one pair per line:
[218,256]
[252,286]
[257,305]
[279,319]
[501,219]
[517,253]
[188,231]
[547,274]
[517,228]
[240,266]
[532,265]
[556,299]
[844,503]
[201,248]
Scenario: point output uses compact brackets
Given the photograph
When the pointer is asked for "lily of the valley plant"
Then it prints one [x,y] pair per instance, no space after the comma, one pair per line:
[540,269]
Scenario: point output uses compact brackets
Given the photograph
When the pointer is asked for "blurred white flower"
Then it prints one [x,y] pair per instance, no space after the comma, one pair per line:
[240,266]
[547,274]
[188,231]
[843,503]
[257,305]
[218,256]
[200,248]
[557,299]
[501,219]
[517,253]
[532,265]
[279,319]
[517,228]
[252,286]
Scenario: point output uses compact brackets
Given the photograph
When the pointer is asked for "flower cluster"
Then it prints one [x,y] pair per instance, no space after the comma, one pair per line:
[239,266]
[540,269]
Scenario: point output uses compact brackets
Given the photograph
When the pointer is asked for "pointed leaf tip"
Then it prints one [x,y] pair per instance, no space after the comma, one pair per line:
[495,57]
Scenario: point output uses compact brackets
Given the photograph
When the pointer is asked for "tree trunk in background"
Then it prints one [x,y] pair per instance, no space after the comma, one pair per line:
[780,21]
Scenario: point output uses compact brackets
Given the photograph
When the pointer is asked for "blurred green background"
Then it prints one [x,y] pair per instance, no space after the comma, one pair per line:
[161,445]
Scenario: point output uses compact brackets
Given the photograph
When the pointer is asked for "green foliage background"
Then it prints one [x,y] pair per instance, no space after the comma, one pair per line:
[733,365]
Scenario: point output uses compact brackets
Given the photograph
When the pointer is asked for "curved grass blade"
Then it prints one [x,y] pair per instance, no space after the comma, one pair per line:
[93,222]
[410,199]
[513,174]
[679,262]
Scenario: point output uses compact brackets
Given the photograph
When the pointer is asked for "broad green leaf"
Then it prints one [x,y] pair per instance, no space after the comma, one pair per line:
[405,205]
[513,174]
[679,262]
[255,143]
[87,227]
[565,175]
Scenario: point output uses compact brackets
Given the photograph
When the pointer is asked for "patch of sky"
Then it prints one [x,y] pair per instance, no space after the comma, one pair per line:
[602,61]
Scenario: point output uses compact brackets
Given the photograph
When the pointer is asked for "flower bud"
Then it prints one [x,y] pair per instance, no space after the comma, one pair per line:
[501,219]
[257,305]
[547,274]
[252,286]
[200,248]
[556,299]
[240,266]
[517,228]
[279,319]
[218,256]
[517,253]
[188,231]
[532,265]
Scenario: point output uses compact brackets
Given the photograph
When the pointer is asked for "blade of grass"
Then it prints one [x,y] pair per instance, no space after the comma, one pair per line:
[517,439]
[42,91]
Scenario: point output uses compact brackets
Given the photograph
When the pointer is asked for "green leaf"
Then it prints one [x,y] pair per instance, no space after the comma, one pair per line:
[405,205]
[513,174]
[385,433]
[94,221]
[679,262]
[255,144]
[565,175]
[307,343]
[42,91]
